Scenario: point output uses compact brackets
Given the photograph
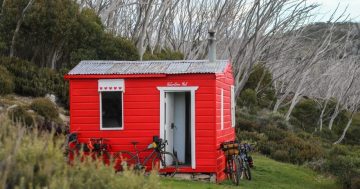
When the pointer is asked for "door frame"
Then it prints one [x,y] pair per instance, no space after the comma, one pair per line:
[192,90]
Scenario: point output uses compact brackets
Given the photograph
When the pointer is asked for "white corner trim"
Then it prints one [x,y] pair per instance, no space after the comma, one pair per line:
[192,90]
[222,109]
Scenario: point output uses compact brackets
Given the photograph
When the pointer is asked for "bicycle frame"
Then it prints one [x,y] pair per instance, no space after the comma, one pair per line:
[147,158]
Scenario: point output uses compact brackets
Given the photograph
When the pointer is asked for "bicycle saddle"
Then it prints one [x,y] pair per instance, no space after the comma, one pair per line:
[134,142]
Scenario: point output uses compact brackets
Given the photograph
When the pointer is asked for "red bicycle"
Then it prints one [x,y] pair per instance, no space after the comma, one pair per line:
[96,148]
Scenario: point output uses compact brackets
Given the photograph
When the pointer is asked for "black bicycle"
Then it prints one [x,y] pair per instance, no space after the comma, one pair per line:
[245,161]
[165,162]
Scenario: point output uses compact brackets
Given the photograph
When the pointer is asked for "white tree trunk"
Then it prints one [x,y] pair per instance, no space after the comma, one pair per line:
[345,130]
[322,115]
[334,115]
[18,25]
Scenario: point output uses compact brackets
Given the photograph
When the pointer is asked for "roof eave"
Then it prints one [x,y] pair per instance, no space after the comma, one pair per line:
[111,76]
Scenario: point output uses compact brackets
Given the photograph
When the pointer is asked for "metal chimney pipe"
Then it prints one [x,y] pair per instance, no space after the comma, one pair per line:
[212,46]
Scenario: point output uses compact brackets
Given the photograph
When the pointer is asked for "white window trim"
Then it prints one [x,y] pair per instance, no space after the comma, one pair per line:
[233,106]
[122,113]
[192,110]
[222,109]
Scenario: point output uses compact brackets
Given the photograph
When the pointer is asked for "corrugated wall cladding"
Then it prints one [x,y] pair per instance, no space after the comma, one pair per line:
[223,81]
[141,103]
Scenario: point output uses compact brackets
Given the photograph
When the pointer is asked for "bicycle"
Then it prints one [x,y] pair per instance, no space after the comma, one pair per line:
[96,148]
[159,157]
[233,165]
[245,161]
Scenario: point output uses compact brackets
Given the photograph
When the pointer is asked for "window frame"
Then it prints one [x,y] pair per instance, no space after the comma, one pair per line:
[222,109]
[233,106]
[122,112]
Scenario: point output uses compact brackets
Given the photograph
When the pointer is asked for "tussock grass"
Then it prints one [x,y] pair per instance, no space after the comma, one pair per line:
[33,159]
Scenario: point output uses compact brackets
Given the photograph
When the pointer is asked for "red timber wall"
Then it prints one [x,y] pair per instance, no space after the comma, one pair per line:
[141,102]
[223,81]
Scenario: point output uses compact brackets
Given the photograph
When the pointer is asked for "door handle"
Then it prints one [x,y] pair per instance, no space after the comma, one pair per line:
[172,126]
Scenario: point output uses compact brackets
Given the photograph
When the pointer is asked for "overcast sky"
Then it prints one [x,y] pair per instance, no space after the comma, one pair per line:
[328,6]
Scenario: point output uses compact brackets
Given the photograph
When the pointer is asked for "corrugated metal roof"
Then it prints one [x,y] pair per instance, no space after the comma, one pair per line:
[96,67]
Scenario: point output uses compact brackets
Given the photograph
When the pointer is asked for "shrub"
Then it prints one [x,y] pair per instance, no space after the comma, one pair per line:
[267,147]
[355,183]
[19,114]
[327,134]
[261,76]
[281,155]
[32,160]
[252,137]
[30,80]
[352,136]
[248,98]
[346,168]
[46,108]
[246,125]
[274,133]
[307,112]
[6,81]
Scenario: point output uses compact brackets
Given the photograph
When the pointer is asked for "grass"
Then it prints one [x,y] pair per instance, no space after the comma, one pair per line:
[267,174]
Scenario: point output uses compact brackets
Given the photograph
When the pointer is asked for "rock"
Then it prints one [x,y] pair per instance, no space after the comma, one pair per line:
[183,176]
[213,178]
[202,177]
[12,107]
[51,97]
[30,111]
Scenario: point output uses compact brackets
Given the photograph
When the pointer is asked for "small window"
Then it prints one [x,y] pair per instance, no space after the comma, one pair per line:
[111,110]
[233,106]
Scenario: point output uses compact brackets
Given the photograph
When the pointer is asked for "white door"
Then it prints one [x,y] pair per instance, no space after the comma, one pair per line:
[169,124]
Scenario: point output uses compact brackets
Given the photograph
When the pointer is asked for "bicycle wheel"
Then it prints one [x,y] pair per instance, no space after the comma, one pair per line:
[235,171]
[247,171]
[124,160]
[166,163]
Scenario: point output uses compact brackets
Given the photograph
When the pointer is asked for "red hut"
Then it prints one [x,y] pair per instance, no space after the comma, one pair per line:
[190,103]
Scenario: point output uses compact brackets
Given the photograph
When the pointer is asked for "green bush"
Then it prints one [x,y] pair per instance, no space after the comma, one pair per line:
[248,98]
[30,80]
[281,155]
[343,161]
[352,136]
[327,134]
[260,79]
[45,108]
[6,81]
[307,112]
[19,114]
[251,137]
[298,150]
[355,182]
[246,125]
[346,168]
[32,160]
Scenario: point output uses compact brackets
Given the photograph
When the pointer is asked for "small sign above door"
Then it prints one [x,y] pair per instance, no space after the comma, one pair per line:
[177,84]
[111,85]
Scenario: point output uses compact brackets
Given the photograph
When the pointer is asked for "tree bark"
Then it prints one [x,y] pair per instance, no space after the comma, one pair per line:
[346,129]
[18,25]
